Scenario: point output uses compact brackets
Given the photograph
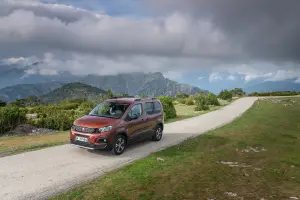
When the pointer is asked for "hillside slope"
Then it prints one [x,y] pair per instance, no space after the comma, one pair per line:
[22,91]
[269,86]
[71,91]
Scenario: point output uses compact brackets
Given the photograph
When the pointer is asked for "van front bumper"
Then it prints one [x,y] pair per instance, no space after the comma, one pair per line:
[90,146]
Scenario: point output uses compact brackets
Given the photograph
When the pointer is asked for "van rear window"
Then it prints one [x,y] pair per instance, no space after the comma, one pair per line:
[149,108]
[157,107]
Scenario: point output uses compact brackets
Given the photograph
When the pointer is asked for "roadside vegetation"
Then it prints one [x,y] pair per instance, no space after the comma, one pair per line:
[52,122]
[254,157]
[283,93]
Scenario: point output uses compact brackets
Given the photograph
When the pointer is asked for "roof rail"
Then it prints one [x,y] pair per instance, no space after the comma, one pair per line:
[118,97]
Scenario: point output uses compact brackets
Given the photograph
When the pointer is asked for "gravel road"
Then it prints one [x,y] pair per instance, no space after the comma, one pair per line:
[40,174]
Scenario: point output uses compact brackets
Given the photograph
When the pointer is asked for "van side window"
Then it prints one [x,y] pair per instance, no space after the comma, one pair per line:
[136,110]
[157,107]
[149,108]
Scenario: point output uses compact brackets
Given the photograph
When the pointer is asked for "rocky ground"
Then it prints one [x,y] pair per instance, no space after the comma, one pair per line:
[27,129]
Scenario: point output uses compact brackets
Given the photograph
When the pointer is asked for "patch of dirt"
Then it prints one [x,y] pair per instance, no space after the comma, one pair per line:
[251,149]
[28,130]
[233,164]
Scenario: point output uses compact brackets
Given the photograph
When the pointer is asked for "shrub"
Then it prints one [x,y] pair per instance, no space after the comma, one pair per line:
[18,103]
[168,106]
[10,117]
[182,101]
[225,95]
[74,100]
[182,96]
[58,121]
[189,101]
[86,107]
[69,106]
[280,93]
[143,95]
[212,99]
[201,102]
[237,92]
[2,103]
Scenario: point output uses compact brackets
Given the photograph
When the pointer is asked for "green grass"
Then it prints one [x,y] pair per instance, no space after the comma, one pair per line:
[191,170]
[185,111]
[18,144]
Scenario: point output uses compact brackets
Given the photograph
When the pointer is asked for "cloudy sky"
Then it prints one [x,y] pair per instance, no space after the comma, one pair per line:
[212,44]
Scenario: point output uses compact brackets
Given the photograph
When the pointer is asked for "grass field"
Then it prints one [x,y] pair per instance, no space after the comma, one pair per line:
[255,157]
[17,144]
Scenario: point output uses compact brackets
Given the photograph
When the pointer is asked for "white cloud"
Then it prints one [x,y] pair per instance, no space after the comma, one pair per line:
[231,78]
[215,76]
[282,75]
[173,75]
[264,71]
[200,78]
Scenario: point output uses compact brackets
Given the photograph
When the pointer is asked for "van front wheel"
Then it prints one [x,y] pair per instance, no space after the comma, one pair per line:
[119,145]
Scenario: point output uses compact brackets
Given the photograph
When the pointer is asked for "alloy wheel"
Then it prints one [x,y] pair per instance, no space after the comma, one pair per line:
[120,145]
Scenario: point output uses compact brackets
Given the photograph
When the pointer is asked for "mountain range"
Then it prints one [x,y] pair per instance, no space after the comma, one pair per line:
[272,86]
[16,83]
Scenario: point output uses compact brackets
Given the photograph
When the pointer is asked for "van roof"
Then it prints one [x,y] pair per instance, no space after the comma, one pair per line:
[129,99]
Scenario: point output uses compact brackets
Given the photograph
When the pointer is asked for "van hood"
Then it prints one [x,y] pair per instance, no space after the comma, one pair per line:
[95,122]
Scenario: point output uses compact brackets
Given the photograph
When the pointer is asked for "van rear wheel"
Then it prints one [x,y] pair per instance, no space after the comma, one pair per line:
[158,134]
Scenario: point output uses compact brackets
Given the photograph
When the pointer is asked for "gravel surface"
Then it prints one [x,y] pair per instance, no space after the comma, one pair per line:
[27,129]
[42,173]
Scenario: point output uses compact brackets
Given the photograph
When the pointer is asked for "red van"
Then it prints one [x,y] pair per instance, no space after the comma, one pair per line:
[118,122]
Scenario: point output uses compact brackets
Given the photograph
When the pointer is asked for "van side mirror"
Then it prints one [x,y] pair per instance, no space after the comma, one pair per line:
[133,117]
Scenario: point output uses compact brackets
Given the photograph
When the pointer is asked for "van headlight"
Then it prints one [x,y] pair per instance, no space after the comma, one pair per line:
[104,129]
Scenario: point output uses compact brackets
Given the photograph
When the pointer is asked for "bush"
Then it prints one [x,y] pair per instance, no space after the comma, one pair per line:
[182,96]
[168,106]
[189,101]
[69,106]
[18,103]
[182,101]
[225,95]
[212,99]
[58,121]
[280,93]
[201,102]
[2,103]
[237,92]
[10,117]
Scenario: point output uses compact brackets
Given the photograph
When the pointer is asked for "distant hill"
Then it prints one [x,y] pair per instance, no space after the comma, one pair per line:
[71,91]
[22,91]
[270,86]
[152,84]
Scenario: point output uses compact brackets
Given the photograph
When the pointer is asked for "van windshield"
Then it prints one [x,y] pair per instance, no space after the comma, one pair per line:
[109,109]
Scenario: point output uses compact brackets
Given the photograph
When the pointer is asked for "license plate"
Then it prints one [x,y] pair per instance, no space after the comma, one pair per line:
[81,139]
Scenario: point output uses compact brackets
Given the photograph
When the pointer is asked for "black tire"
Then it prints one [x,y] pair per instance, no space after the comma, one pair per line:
[119,145]
[158,133]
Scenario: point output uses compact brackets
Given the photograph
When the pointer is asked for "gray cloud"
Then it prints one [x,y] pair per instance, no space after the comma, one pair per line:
[267,30]
[45,27]
[183,34]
